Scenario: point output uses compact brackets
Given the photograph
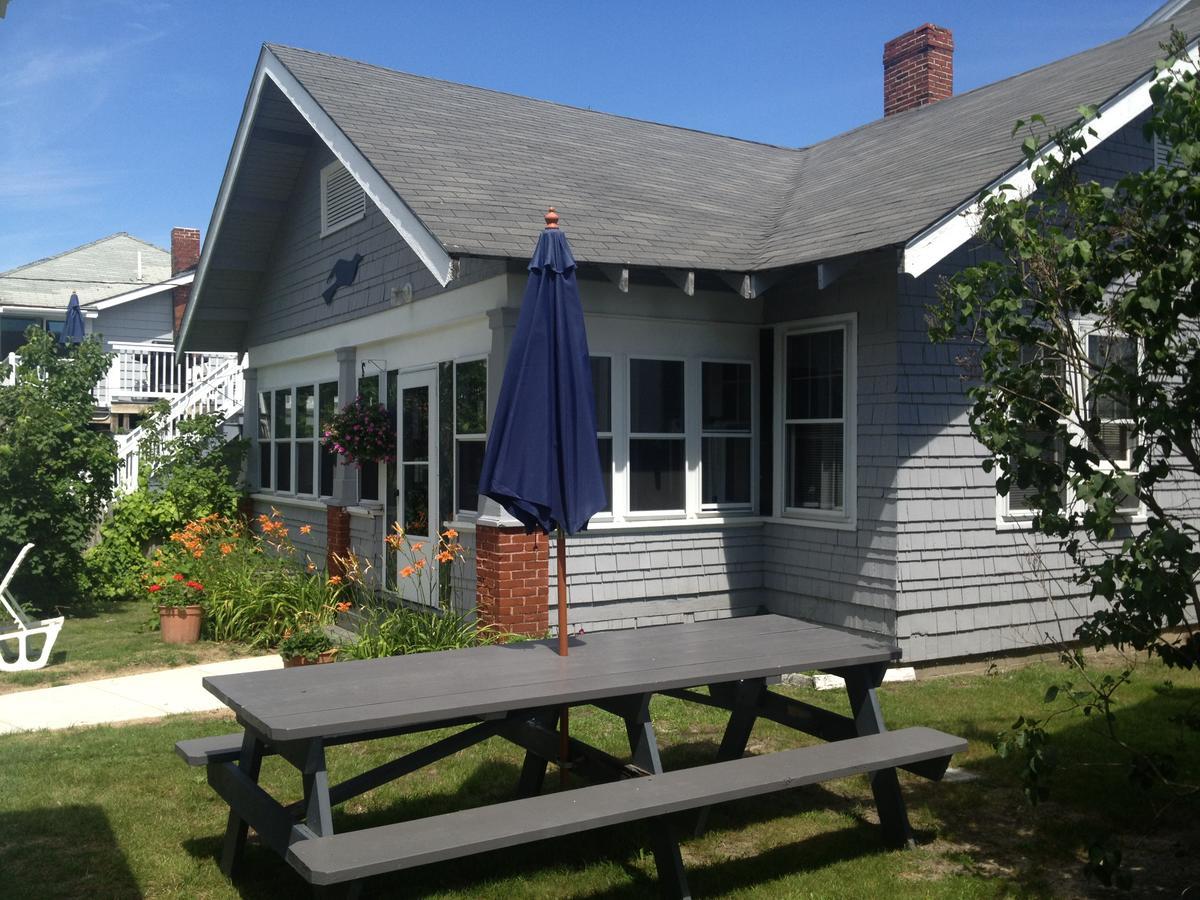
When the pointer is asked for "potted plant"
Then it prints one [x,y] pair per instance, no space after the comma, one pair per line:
[306,647]
[180,609]
[363,432]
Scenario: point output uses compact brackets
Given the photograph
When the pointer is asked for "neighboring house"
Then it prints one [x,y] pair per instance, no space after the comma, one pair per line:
[132,294]
[778,429]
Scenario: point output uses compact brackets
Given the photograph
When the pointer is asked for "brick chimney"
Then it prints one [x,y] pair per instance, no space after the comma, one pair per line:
[185,253]
[918,69]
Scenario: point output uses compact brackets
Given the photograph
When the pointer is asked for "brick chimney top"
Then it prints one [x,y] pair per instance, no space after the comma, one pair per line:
[185,249]
[918,68]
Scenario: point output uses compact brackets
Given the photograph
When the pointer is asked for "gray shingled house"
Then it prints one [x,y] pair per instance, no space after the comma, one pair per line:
[131,292]
[779,430]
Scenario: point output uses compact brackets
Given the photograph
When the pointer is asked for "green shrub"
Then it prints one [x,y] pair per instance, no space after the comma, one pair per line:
[56,473]
[306,643]
[393,631]
[181,479]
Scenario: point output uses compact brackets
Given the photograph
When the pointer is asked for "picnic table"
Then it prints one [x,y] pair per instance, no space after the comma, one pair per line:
[514,692]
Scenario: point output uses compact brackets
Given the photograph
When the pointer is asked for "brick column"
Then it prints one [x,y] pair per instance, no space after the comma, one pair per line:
[512,578]
[337,538]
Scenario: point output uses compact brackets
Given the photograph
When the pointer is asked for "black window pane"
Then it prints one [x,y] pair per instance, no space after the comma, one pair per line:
[656,474]
[416,424]
[306,412]
[726,397]
[470,464]
[655,397]
[283,466]
[470,386]
[283,414]
[329,403]
[1106,354]
[602,391]
[368,389]
[264,417]
[264,466]
[605,446]
[815,365]
[304,467]
[815,476]
[328,460]
[368,481]
[416,499]
[725,470]
[12,333]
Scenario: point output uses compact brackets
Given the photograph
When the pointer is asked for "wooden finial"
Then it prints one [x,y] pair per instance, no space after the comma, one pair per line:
[551,218]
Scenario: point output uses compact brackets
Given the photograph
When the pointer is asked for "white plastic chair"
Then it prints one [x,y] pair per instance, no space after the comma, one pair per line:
[23,627]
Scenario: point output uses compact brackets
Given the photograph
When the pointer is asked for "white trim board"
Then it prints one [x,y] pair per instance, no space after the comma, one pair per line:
[939,240]
[422,241]
[147,291]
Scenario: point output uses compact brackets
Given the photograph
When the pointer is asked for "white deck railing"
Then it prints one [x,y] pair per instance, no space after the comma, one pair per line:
[221,392]
[154,371]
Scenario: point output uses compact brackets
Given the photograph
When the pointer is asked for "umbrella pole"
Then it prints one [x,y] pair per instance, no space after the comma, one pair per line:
[564,732]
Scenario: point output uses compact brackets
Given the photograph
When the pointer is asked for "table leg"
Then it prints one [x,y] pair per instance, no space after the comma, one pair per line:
[249,764]
[533,771]
[318,812]
[868,719]
[744,712]
[643,744]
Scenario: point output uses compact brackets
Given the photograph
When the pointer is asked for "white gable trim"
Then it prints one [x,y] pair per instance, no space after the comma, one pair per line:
[427,247]
[949,233]
[139,293]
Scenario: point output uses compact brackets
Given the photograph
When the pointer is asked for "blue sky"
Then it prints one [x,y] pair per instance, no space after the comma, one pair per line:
[118,115]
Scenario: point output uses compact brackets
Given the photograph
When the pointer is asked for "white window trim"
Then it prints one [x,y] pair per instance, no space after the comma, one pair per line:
[847,520]
[294,442]
[471,514]
[1008,519]
[721,509]
[326,172]
[610,514]
[687,437]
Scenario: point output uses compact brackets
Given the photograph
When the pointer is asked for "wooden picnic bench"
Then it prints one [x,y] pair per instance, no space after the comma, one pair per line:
[514,692]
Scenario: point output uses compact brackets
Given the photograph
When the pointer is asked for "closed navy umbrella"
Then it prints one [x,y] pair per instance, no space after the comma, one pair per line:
[542,462]
[73,332]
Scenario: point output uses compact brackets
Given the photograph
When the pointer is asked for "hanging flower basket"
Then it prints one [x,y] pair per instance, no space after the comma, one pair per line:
[363,433]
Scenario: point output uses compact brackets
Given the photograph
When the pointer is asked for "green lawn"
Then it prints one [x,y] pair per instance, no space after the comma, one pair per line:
[114,639]
[111,812]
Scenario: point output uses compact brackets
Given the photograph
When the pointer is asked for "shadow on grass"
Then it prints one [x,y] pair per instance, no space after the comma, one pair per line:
[62,851]
[1092,798]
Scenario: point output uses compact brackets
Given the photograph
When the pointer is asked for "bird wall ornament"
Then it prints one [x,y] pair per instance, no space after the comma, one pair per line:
[343,274]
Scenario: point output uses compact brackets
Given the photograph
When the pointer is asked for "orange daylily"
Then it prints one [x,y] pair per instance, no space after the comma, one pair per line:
[305,529]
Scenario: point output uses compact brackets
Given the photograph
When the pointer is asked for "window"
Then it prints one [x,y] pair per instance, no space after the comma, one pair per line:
[13,328]
[470,431]
[602,391]
[343,202]
[657,439]
[291,421]
[817,460]
[725,434]
[1109,429]
[328,406]
[368,473]
[283,440]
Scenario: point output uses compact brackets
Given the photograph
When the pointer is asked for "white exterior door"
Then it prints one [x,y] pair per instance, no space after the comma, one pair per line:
[417,485]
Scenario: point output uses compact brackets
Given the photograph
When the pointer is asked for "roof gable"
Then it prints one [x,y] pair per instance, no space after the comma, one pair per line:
[96,270]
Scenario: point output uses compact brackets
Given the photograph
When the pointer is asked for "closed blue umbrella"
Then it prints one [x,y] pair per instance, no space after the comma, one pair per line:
[542,462]
[73,332]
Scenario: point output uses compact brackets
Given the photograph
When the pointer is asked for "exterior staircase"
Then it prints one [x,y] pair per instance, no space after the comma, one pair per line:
[221,392]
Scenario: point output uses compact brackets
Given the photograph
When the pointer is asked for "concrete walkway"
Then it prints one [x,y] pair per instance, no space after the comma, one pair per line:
[145,696]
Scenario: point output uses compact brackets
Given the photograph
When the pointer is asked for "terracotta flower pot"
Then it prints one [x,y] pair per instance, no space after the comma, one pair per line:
[327,657]
[180,624]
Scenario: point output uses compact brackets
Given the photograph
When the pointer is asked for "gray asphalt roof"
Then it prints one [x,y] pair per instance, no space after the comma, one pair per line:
[103,268]
[479,167]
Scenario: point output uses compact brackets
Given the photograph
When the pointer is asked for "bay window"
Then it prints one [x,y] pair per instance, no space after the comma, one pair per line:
[291,423]
[726,435]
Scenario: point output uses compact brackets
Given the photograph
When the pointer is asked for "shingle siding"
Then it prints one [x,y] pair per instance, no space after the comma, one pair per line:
[301,260]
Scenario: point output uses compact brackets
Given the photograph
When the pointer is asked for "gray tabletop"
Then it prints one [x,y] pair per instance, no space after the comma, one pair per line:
[426,688]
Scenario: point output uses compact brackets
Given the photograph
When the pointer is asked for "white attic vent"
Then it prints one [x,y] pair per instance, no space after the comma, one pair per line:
[342,200]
